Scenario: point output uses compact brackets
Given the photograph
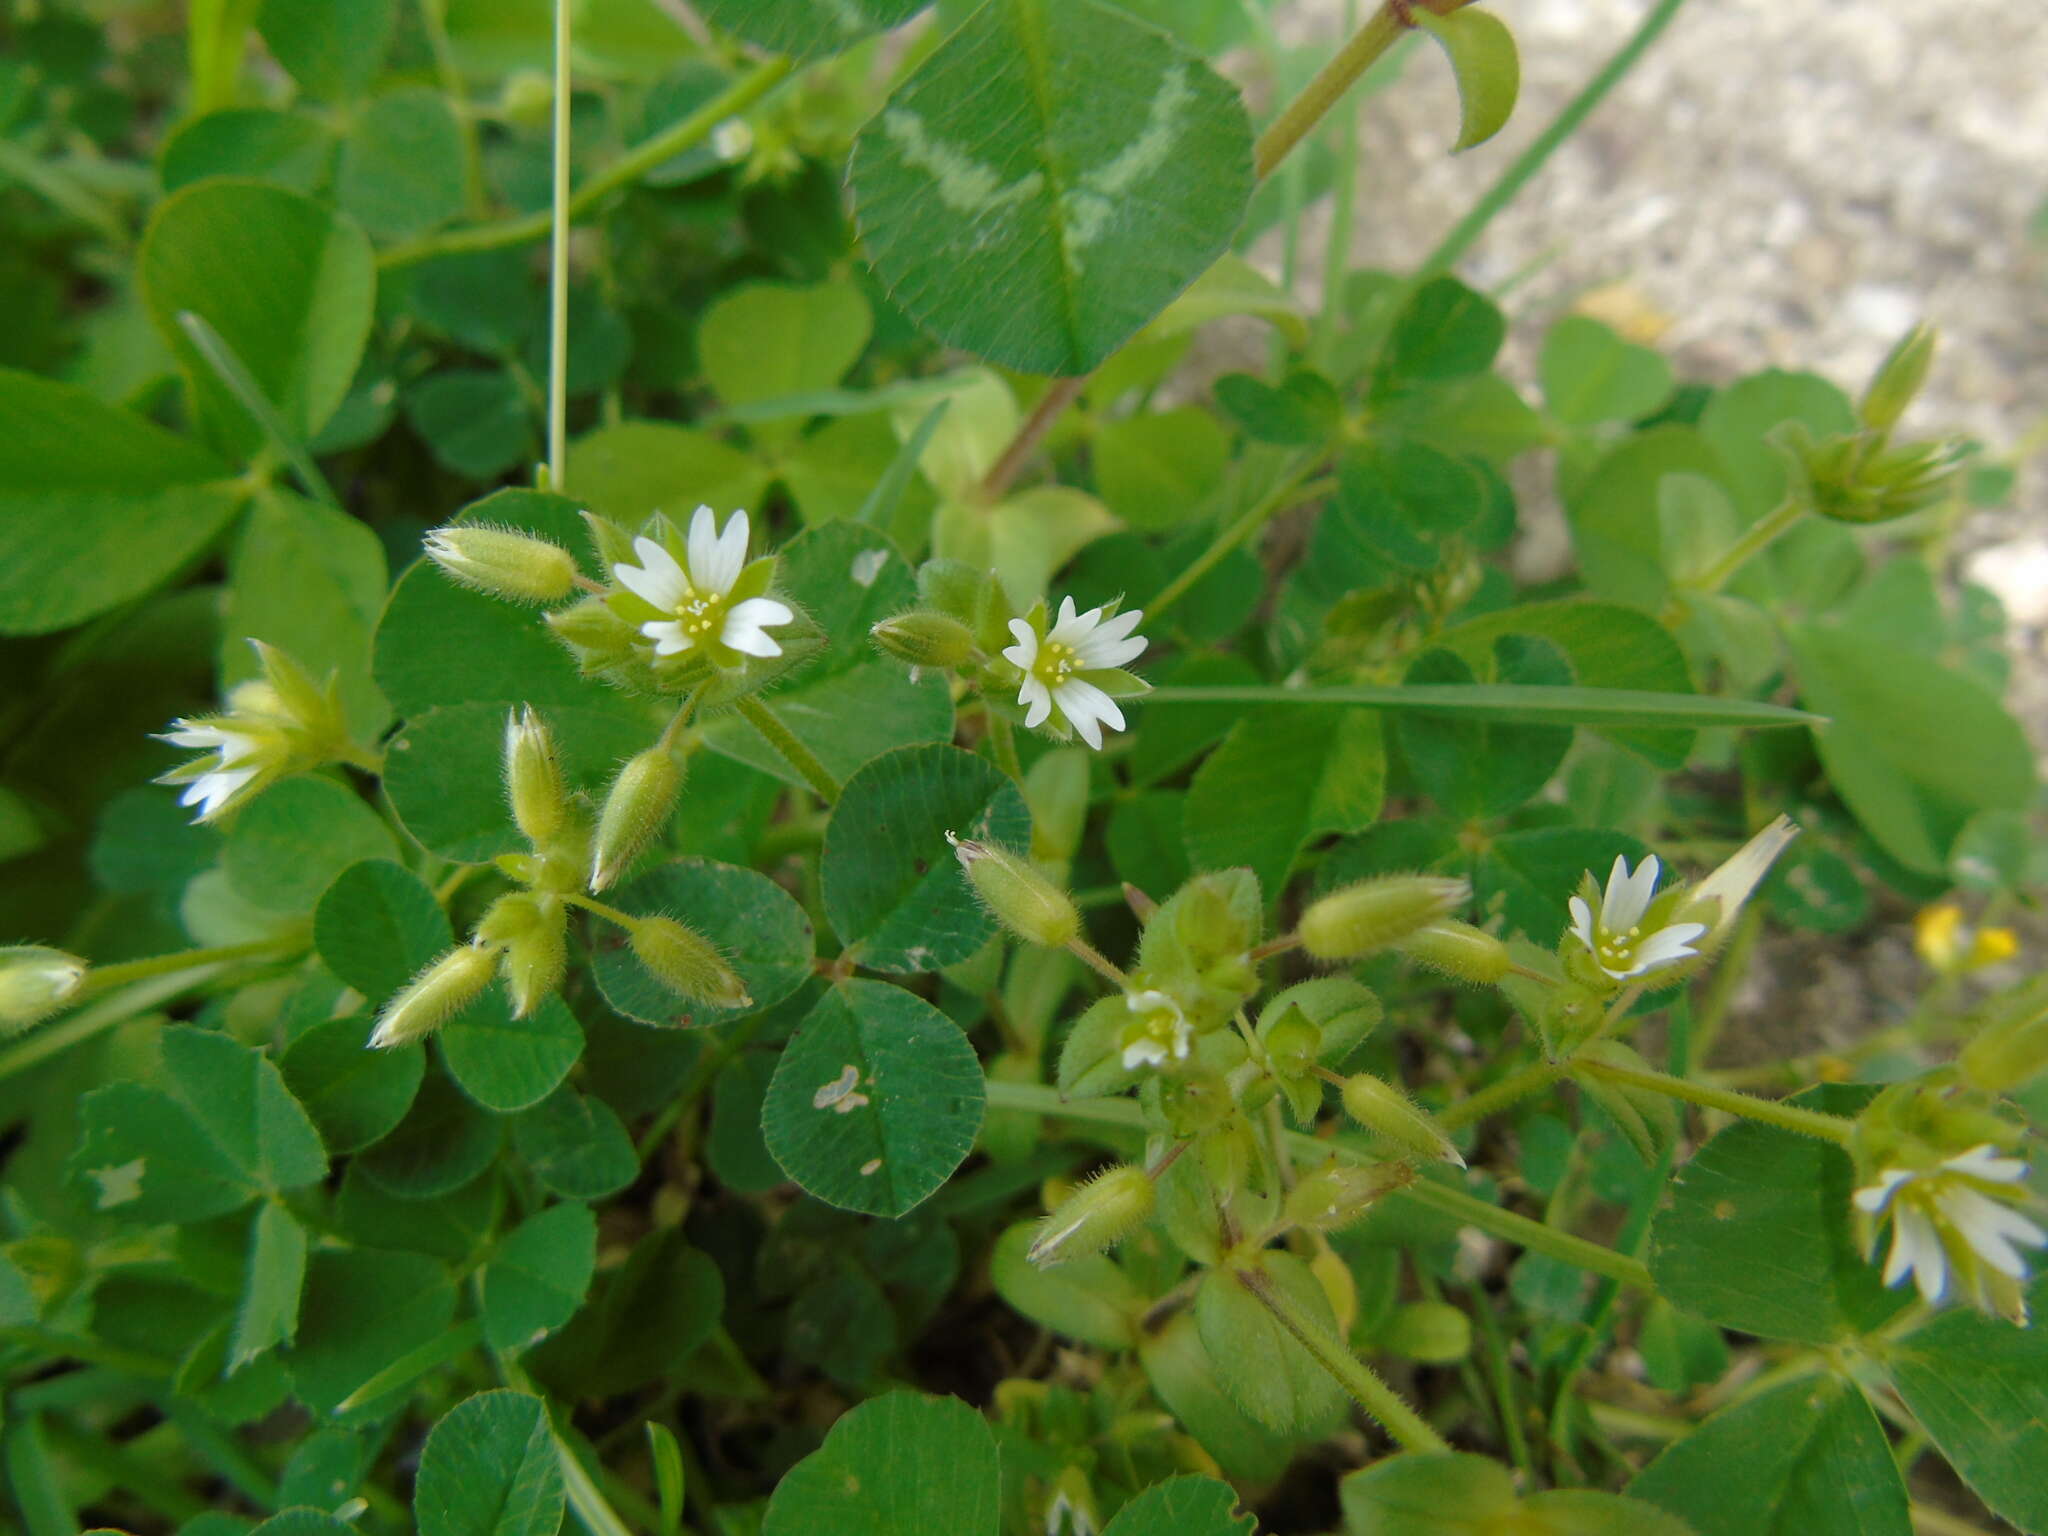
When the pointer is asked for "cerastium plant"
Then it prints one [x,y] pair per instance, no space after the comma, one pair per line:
[956,918]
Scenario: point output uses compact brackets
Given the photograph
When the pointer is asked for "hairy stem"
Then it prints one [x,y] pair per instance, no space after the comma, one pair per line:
[794,752]
[1497,1096]
[1387,1407]
[558,258]
[1788,1117]
[1758,537]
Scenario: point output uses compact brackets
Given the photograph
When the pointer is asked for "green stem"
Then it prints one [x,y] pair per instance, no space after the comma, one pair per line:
[610,914]
[1507,1401]
[1788,1117]
[1758,537]
[1562,127]
[628,168]
[794,752]
[1361,1381]
[1380,32]
[62,190]
[593,1510]
[104,978]
[65,1346]
[434,22]
[1039,1099]
[1002,740]
[1497,1096]
[109,1012]
[236,378]
[558,259]
[1290,492]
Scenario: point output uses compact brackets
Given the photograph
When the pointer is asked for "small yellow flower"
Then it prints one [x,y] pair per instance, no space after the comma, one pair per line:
[1946,943]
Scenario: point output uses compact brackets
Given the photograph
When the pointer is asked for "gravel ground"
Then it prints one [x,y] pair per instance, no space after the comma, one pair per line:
[1779,182]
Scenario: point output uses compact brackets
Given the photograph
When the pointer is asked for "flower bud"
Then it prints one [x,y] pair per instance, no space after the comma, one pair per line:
[497,561]
[1373,914]
[1460,951]
[1396,1119]
[35,981]
[526,97]
[1292,1042]
[637,806]
[1430,1332]
[533,931]
[533,777]
[1098,1214]
[436,995]
[1338,1194]
[926,639]
[1022,899]
[687,962]
[2011,1048]
[1898,379]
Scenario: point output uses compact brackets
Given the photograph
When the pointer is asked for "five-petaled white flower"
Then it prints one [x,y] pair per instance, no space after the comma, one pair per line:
[1949,1218]
[1055,667]
[1159,1029]
[698,595]
[240,756]
[1615,938]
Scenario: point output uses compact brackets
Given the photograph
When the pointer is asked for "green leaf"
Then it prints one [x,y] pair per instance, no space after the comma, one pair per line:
[1913,747]
[1024,539]
[1754,1189]
[1482,54]
[443,1143]
[363,1310]
[97,506]
[475,420]
[1089,1298]
[310,581]
[764,341]
[1260,1364]
[489,1468]
[537,1279]
[377,926]
[1157,469]
[509,1064]
[1281,778]
[451,1227]
[293,1522]
[652,1313]
[1613,511]
[269,1310]
[401,164]
[1808,1458]
[1590,375]
[808,27]
[1182,1506]
[333,51]
[893,890]
[287,284]
[734,1147]
[1421,1494]
[294,840]
[354,1095]
[1612,708]
[1475,770]
[575,1145]
[631,471]
[1739,419]
[876,1100]
[847,718]
[989,190]
[1181,1373]
[756,924]
[1980,1389]
[255,142]
[1446,331]
[897,1465]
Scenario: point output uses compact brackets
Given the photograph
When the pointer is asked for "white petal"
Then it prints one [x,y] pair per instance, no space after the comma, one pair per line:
[1928,1259]
[1072,628]
[764,611]
[1145,1052]
[1729,885]
[1108,646]
[668,637]
[1983,1163]
[1991,1229]
[212,791]
[657,579]
[701,543]
[745,626]
[1085,705]
[1875,1197]
[1150,1001]
[1037,698]
[1904,1254]
[729,556]
[1582,920]
[1025,651]
[1667,945]
[196,738]
[1624,909]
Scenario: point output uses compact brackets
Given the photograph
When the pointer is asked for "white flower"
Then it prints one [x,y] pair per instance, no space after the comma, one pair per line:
[1615,938]
[699,595]
[1054,667]
[240,759]
[1729,886]
[1943,1220]
[1160,1030]
[732,139]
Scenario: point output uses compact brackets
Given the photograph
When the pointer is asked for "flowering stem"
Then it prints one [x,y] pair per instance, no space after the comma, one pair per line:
[1098,962]
[104,978]
[1788,1117]
[673,732]
[1497,1096]
[558,260]
[628,168]
[1758,537]
[1290,492]
[1063,393]
[794,752]
[158,983]
[625,920]
[1409,1429]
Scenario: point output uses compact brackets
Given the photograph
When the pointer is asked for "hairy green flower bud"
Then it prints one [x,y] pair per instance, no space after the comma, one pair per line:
[687,962]
[1374,914]
[2010,1048]
[926,639]
[1459,950]
[637,806]
[1098,1214]
[1898,379]
[533,777]
[1338,1194]
[501,563]
[534,932]
[526,98]
[1022,899]
[35,981]
[1396,1119]
[436,995]
[1431,1332]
